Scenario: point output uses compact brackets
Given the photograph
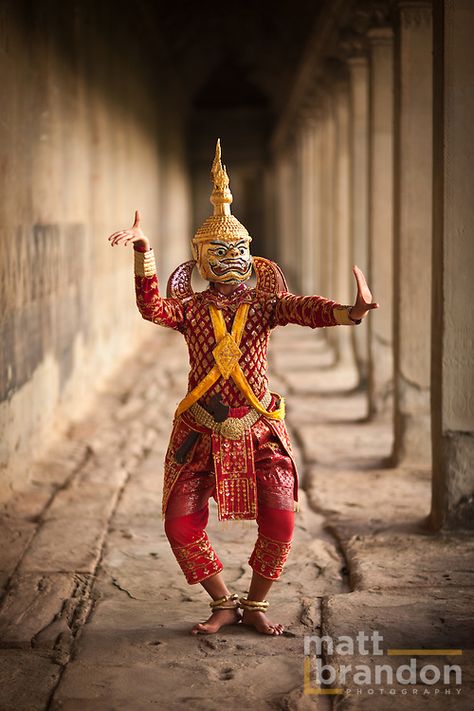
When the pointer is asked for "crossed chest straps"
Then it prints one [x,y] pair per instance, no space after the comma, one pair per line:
[227,354]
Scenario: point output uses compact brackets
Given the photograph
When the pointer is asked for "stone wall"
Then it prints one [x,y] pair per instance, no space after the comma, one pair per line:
[90,131]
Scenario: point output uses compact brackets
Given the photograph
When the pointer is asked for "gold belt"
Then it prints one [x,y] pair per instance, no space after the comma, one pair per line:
[232,427]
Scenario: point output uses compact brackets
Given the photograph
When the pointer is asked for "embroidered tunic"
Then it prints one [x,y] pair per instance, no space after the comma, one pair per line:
[191,317]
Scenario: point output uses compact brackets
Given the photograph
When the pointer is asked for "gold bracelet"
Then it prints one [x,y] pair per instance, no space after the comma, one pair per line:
[256,605]
[145,263]
[220,602]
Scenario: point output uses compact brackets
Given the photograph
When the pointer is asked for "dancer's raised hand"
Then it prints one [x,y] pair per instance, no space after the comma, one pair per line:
[363,302]
[134,235]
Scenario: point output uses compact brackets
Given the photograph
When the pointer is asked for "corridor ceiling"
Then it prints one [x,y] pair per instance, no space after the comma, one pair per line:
[231,55]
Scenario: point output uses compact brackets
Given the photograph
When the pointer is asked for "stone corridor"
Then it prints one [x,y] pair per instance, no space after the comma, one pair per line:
[346,129]
[96,614]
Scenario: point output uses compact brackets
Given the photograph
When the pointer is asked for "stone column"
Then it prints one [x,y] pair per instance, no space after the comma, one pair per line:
[412,234]
[288,210]
[380,275]
[307,209]
[319,206]
[452,379]
[268,240]
[283,210]
[295,236]
[342,276]
[327,198]
[359,192]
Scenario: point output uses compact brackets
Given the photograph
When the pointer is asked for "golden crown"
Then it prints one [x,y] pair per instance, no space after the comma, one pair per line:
[221,224]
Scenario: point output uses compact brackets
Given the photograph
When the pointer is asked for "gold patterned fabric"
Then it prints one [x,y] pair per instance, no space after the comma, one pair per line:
[269,556]
[197,560]
[187,512]
[191,316]
[269,446]
[234,465]
[226,354]
[276,478]
[265,313]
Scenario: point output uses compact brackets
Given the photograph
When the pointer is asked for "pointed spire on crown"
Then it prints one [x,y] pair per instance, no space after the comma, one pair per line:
[221,224]
[221,197]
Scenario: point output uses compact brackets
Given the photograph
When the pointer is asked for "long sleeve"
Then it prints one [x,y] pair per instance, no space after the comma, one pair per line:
[312,311]
[152,306]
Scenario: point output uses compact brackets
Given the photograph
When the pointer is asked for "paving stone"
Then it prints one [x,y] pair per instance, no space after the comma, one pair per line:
[360,446]
[27,679]
[333,409]
[97,501]
[29,504]
[32,603]
[406,619]
[347,497]
[416,561]
[223,684]
[15,536]
[141,499]
[322,380]
[66,545]
[103,469]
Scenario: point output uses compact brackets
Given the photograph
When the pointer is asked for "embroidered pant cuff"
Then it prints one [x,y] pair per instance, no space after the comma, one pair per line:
[197,560]
[269,556]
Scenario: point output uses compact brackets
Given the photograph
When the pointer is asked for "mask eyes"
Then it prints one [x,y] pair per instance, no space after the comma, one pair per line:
[221,251]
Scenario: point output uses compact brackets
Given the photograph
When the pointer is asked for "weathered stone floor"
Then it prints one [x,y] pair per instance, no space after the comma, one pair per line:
[95,612]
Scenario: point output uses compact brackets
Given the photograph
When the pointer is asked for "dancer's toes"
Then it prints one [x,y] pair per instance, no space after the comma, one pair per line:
[219,618]
[203,628]
[275,629]
[258,620]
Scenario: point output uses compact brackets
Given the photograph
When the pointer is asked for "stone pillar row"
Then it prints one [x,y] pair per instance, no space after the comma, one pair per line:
[372,187]
[344,187]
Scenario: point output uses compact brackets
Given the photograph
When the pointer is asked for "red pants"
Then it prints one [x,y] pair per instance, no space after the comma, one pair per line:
[187,512]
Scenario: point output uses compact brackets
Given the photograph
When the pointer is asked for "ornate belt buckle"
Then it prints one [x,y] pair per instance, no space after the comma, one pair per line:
[232,428]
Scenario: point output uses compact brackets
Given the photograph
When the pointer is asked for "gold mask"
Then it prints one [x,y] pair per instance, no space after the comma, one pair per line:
[221,246]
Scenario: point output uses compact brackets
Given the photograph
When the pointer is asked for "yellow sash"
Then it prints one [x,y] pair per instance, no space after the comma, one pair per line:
[227,354]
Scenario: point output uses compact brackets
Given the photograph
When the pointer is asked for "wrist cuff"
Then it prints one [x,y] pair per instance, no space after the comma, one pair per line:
[341,315]
[144,263]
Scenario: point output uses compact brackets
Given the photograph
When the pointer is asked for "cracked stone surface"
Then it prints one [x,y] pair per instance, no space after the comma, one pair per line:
[95,613]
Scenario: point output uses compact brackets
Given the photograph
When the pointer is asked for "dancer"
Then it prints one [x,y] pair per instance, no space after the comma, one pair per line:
[229,439]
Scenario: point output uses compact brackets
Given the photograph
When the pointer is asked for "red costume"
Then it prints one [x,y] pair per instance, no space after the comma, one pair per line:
[251,477]
[229,438]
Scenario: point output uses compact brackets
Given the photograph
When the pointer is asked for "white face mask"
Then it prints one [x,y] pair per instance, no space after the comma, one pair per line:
[224,262]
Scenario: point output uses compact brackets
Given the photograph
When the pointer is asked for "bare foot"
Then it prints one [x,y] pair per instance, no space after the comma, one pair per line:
[260,621]
[219,618]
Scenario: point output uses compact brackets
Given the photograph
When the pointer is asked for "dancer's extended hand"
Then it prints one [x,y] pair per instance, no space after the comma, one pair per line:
[363,302]
[134,235]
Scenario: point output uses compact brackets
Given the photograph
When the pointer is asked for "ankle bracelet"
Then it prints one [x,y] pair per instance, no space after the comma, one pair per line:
[256,605]
[220,603]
